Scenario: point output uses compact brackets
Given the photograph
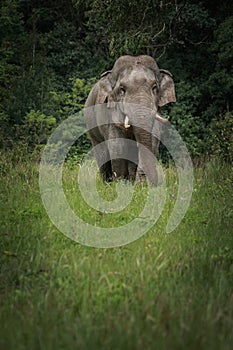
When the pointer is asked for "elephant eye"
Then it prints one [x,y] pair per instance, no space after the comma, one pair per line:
[155,88]
[122,90]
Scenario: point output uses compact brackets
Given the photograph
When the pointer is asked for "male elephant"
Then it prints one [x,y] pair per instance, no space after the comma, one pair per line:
[122,106]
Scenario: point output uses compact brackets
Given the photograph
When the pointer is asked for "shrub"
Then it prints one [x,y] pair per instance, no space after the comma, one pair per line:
[221,137]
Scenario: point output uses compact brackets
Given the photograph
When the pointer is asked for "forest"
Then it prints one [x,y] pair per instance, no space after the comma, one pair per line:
[53,52]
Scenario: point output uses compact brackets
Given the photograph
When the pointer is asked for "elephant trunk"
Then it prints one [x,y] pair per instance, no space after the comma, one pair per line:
[142,128]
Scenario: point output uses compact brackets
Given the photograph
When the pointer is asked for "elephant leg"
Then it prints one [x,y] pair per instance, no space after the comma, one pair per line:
[118,162]
[118,151]
[146,167]
[124,157]
[146,159]
[104,164]
[102,155]
[132,170]
[133,160]
[106,171]
[120,168]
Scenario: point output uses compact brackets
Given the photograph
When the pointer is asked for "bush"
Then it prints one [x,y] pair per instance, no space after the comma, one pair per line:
[221,137]
[35,129]
[184,117]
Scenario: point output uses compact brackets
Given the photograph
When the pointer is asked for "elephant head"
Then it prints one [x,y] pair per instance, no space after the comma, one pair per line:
[134,90]
[137,81]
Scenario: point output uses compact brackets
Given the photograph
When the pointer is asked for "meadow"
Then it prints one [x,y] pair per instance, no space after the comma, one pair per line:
[163,291]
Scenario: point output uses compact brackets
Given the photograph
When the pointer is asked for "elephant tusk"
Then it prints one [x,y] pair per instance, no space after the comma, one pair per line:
[162,120]
[126,123]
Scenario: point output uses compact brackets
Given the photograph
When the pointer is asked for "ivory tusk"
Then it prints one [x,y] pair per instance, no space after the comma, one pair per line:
[162,120]
[126,123]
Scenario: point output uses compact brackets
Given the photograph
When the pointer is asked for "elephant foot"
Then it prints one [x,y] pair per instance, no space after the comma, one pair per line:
[106,172]
[142,179]
[106,177]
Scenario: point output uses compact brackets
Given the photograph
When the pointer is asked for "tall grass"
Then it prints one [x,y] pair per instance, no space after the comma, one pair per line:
[163,291]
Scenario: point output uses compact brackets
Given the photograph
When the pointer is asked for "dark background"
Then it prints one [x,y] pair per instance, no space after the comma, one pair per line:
[53,51]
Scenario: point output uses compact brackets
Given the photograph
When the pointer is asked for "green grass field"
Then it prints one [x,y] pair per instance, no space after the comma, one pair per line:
[163,291]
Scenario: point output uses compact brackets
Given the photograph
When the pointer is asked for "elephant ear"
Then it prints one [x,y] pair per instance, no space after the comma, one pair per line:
[167,88]
[104,88]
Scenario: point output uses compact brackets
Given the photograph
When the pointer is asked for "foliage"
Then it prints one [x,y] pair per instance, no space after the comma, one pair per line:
[51,55]
[220,82]
[190,126]
[221,131]
[35,129]
[138,25]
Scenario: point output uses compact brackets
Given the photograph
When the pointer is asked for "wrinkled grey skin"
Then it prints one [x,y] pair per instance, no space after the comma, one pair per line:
[135,88]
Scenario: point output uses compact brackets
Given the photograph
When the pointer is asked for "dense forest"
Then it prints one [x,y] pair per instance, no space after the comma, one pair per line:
[53,51]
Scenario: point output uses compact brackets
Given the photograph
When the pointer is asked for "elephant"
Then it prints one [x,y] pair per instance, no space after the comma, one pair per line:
[121,113]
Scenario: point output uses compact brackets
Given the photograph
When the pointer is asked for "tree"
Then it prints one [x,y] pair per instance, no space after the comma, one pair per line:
[49,48]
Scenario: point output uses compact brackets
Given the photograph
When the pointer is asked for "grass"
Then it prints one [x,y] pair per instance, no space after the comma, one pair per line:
[163,291]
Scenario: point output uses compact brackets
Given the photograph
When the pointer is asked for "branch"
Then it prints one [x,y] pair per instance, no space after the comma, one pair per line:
[160,32]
